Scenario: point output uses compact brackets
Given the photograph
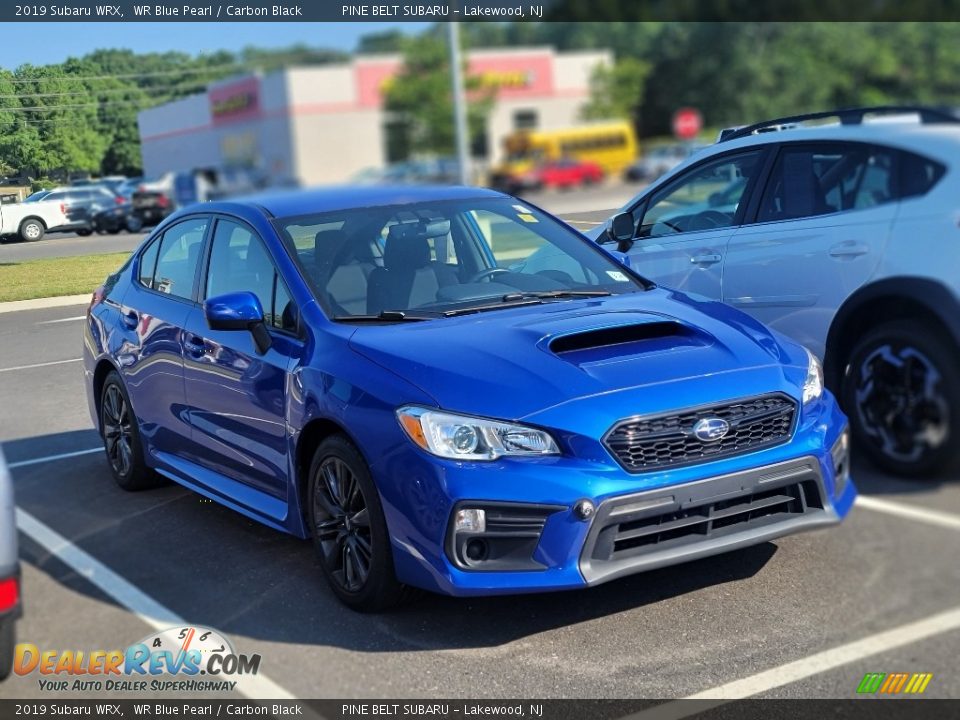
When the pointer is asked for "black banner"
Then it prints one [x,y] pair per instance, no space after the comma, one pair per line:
[478,10]
[857,709]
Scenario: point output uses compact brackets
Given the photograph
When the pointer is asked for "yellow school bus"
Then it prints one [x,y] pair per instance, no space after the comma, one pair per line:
[611,145]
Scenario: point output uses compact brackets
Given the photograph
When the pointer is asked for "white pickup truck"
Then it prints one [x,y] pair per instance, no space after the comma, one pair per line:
[29,221]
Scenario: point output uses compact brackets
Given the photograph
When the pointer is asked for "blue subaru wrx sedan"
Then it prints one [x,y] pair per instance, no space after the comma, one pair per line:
[447,388]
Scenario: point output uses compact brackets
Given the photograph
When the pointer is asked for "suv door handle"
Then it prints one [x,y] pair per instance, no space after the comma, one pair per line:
[706,259]
[849,249]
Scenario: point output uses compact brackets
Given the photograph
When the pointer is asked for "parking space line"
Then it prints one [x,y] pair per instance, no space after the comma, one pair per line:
[39,365]
[129,596]
[62,320]
[911,512]
[809,666]
[51,458]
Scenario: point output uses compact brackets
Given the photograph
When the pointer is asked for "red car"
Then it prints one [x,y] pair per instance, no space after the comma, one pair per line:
[569,174]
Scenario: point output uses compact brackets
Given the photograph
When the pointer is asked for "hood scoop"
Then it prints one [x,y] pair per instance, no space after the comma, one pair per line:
[624,341]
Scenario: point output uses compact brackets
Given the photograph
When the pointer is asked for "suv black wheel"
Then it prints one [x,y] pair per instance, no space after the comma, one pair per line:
[901,391]
[121,437]
[349,531]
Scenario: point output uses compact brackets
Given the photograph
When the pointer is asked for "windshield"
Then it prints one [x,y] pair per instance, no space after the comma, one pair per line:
[442,258]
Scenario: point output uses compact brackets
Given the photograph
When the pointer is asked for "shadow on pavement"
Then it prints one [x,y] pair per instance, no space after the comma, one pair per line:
[214,567]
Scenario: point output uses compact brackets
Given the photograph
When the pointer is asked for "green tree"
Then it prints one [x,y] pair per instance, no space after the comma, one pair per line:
[421,100]
[617,91]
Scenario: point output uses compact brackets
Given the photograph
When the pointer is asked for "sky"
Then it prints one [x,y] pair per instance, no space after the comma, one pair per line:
[44,43]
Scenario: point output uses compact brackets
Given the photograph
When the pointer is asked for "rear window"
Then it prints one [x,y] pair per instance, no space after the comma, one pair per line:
[918,175]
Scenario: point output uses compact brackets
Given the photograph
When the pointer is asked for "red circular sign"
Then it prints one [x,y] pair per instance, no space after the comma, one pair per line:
[687,123]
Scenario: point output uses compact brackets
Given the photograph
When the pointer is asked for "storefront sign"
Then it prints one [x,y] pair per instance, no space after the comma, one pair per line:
[237,101]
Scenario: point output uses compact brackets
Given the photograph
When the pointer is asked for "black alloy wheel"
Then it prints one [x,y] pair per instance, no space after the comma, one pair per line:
[349,530]
[343,525]
[901,393]
[121,438]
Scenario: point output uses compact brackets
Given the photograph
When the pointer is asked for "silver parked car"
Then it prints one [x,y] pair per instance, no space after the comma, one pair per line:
[9,571]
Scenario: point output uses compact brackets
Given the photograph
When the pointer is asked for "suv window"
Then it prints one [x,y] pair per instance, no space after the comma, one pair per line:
[179,256]
[811,180]
[917,175]
[240,262]
[705,198]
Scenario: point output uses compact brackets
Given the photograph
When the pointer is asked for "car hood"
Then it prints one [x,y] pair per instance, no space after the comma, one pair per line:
[598,359]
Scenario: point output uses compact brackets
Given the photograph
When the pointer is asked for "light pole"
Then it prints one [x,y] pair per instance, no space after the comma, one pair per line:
[459,103]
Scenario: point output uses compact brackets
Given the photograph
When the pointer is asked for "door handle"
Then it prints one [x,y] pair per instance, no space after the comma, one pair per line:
[849,249]
[706,259]
[130,318]
[194,345]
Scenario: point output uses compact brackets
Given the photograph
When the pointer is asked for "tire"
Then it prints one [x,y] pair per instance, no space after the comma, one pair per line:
[84,232]
[8,639]
[119,430]
[901,391]
[31,230]
[134,224]
[349,530]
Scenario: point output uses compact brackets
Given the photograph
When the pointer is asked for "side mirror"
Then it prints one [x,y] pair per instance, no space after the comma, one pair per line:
[622,227]
[238,311]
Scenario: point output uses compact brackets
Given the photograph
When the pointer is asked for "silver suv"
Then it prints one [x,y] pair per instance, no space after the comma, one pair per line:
[840,230]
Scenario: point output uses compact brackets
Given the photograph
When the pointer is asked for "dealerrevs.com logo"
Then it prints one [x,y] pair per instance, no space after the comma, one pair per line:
[179,659]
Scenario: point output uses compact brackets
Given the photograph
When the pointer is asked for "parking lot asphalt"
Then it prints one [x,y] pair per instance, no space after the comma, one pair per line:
[665,634]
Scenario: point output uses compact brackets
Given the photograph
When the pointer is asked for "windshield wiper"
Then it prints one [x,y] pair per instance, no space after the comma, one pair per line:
[547,294]
[519,299]
[384,316]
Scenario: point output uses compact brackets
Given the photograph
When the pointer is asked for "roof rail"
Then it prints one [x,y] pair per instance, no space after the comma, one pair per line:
[847,116]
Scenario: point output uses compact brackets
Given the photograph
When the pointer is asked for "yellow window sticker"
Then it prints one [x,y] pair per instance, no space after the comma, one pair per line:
[527,217]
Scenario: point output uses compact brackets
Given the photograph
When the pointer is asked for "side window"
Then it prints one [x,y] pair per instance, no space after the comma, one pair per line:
[240,262]
[811,180]
[148,262]
[179,256]
[705,198]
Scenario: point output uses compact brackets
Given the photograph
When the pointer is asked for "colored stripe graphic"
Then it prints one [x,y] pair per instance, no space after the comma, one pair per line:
[894,683]
[871,682]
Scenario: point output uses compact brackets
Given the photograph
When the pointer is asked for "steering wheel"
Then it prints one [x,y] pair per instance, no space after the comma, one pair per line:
[709,219]
[488,273]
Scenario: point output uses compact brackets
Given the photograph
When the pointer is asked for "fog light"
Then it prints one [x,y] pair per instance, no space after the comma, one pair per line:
[476,550]
[584,509]
[470,520]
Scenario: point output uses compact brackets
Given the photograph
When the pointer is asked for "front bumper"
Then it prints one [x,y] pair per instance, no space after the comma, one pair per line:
[641,522]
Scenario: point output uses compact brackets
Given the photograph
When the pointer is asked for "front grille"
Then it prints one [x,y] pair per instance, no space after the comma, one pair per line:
[667,441]
[708,521]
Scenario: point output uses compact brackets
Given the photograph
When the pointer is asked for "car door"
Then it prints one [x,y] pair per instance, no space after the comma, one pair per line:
[818,234]
[237,396]
[684,225]
[154,313]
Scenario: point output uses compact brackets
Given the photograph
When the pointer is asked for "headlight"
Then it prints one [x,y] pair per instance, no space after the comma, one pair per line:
[813,385]
[461,437]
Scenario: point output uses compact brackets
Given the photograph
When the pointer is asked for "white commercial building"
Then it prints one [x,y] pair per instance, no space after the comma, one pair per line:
[314,125]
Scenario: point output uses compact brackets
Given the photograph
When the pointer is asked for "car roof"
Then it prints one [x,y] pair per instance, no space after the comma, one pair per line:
[890,131]
[286,203]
